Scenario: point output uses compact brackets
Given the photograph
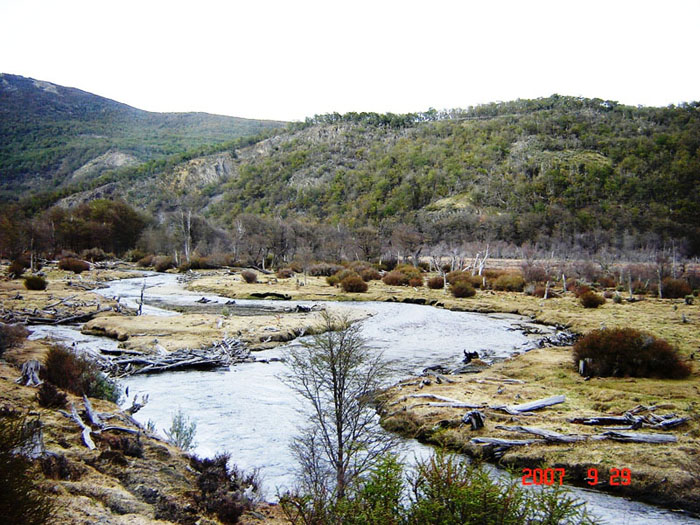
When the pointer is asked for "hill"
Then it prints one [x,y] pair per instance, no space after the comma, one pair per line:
[50,134]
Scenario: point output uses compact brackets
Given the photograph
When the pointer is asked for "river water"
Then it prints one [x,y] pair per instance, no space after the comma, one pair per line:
[249,411]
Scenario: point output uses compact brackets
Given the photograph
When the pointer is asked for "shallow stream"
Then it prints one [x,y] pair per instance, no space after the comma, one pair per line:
[249,412]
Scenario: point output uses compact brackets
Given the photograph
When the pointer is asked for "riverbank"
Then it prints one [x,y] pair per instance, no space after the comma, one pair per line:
[663,474]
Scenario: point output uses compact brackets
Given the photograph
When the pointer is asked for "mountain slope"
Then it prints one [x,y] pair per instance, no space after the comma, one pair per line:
[47,132]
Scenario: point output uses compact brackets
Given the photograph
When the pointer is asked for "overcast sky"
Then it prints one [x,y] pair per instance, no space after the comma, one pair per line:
[291,59]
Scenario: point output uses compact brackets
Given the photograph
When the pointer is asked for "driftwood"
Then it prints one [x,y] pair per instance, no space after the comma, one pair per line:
[507,381]
[87,439]
[631,421]
[223,353]
[524,408]
[630,437]
[32,318]
[93,418]
[136,406]
[475,419]
[30,373]
[548,435]
[33,445]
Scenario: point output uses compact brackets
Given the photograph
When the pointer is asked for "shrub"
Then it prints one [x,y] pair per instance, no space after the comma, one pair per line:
[223,491]
[453,277]
[509,282]
[534,272]
[93,254]
[370,274]
[76,266]
[388,265]
[580,289]
[415,282]
[163,263]
[620,352]
[607,281]
[11,335]
[324,269]
[50,397]
[395,278]
[354,283]
[249,276]
[199,263]
[332,280]
[408,270]
[21,499]
[146,260]
[617,298]
[436,283]
[493,273]
[675,288]
[182,431]
[591,300]
[134,255]
[462,289]
[689,299]
[17,268]
[539,291]
[608,294]
[35,282]
[424,266]
[77,374]
[285,273]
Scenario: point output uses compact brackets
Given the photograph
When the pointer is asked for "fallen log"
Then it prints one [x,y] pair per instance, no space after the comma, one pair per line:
[87,439]
[548,435]
[93,418]
[524,408]
[475,419]
[627,419]
[630,437]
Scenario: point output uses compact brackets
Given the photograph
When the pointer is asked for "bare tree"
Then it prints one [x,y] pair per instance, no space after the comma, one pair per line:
[337,375]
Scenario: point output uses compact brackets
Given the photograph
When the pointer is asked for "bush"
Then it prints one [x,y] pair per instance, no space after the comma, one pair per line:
[21,499]
[93,255]
[415,282]
[324,269]
[199,263]
[580,289]
[436,283]
[285,273]
[621,352]
[462,289]
[395,278]
[408,270]
[77,374]
[607,281]
[689,299]
[182,431]
[163,263]
[223,491]
[539,291]
[134,255]
[534,272]
[76,266]
[675,288]
[146,260]
[11,335]
[591,300]
[453,277]
[370,274]
[50,397]
[354,283]
[509,282]
[17,268]
[249,276]
[35,282]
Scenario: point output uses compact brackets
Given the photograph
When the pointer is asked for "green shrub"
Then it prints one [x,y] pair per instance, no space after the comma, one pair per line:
[591,300]
[436,283]
[35,282]
[77,374]
[11,335]
[134,255]
[509,282]
[332,280]
[354,283]
[249,276]
[199,263]
[689,299]
[182,431]
[285,273]
[621,352]
[453,277]
[408,270]
[395,278]
[163,263]
[22,501]
[71,264]
[94,254]
[462,289]
[675,288]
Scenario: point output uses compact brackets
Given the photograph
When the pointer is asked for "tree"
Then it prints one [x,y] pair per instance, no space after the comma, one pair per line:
[336,374]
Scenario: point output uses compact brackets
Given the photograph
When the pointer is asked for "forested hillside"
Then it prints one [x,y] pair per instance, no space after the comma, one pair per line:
[559,173]
[51,134]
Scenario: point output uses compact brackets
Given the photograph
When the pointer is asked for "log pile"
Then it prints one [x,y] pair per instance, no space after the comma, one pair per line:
[53,314]
[224,353]
[632,420]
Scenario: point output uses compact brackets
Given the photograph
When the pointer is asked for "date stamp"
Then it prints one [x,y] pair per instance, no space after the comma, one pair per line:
[549,476]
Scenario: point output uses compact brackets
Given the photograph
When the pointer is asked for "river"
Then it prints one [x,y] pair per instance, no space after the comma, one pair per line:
[249,411]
